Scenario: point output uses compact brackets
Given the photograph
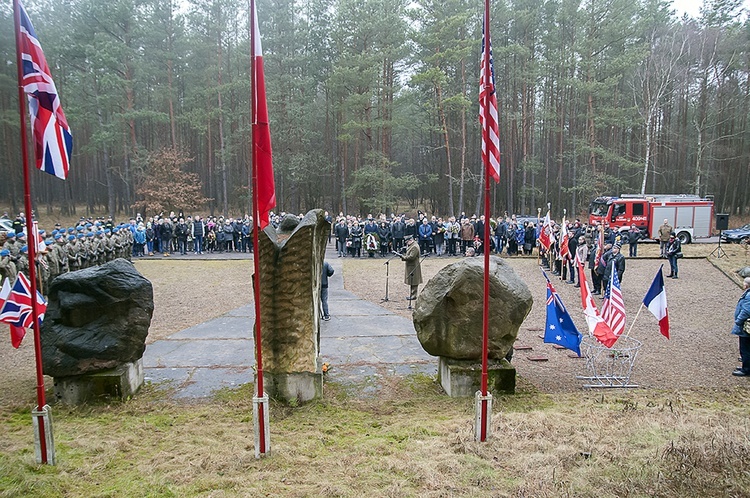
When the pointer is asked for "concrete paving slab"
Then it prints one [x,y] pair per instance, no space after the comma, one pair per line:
[247,311]
[363,342]
[204,382]
[205,353]
[224,327]
[173,377]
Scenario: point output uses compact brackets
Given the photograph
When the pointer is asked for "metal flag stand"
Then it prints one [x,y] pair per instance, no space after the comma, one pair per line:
[609,367]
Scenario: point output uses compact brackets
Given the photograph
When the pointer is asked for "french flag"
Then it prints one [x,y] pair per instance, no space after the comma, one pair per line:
[656,302]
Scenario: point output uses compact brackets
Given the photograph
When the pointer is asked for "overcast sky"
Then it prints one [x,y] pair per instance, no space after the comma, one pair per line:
[692,7]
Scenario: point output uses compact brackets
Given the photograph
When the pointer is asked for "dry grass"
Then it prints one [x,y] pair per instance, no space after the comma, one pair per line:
[190,292]
[410,442]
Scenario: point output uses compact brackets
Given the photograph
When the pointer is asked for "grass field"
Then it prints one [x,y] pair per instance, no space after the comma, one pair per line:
[412,441]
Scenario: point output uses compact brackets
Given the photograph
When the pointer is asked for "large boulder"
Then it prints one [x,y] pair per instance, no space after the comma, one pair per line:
[448,315]
[744,272]
[97,319]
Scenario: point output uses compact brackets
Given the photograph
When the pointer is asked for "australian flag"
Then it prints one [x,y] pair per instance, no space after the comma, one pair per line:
[17,308]
[53,142]
[560,328]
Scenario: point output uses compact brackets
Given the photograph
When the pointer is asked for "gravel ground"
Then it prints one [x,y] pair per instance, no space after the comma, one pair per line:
[701,353]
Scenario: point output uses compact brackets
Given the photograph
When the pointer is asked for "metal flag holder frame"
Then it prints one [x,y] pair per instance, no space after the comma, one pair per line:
[609,367]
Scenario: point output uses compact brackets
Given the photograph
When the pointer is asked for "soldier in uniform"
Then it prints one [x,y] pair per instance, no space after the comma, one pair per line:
[22,265]
[98,247]
[10,241]
[129,242]
[118,242]
[109,245]
[72,249]
[85,249]
[62,255]
[7,267]
[53,262]
[82,252]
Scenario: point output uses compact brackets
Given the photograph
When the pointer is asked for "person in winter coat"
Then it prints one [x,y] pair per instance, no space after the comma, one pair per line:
[412,268]
[327,272]
[634,235]
[673,252]
[741,319]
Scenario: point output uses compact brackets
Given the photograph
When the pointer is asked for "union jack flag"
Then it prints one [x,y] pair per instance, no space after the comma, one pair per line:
[17,308]
[613,306]
[488,118]
[53,142]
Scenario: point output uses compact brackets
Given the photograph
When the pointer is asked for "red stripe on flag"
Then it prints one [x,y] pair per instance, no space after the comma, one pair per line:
[488,116]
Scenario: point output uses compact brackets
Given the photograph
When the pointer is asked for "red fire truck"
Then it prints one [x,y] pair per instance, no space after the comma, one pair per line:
[691,216]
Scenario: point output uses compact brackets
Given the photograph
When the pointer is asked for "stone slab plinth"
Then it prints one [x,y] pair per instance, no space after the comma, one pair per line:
[464,378]
[297,386]
[119,383]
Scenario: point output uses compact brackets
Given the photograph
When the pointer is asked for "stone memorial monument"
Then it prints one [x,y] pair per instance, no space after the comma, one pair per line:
[94,331]
[448,320]
[291,265]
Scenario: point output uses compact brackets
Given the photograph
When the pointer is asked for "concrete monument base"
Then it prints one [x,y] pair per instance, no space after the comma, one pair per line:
[121,383]
[293,387]
[464,377]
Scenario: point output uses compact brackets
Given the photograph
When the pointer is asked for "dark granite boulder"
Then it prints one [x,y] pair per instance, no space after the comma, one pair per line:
[448,315]
[96,319]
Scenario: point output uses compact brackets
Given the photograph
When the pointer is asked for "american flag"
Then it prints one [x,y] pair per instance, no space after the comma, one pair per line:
[53,142]
[488,97]
[613,306]
[17,308]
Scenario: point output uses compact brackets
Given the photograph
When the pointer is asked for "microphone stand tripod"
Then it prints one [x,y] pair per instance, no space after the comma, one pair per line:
[387,268]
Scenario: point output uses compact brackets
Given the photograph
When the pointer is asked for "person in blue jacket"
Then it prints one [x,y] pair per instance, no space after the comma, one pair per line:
[741,318]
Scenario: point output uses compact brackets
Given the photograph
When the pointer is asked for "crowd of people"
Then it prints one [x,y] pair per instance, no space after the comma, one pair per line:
[95,241]
[63,249]
[598,248]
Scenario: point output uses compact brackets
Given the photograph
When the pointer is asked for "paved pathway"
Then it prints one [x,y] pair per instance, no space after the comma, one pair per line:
[363,342]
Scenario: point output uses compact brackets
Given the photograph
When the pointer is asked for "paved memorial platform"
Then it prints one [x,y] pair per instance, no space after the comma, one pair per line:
[362,342]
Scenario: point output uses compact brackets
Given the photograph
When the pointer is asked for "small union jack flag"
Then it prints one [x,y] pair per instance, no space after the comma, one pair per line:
[53,142]
[17,308]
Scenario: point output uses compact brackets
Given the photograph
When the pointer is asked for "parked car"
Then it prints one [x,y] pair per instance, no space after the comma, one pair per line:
[737,234]
[6,225]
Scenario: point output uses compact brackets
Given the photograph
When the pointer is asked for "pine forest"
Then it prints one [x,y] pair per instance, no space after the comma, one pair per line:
[374,106]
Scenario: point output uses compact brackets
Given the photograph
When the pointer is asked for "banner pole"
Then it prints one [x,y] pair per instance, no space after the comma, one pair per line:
[45,450]
[632,324]
[260,401]
[485,400]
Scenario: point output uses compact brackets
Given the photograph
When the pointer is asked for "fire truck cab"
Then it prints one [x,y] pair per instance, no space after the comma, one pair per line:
[691,216]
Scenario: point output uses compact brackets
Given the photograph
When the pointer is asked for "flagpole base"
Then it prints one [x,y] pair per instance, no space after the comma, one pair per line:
[480,400]
[262,437]
[42,421]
